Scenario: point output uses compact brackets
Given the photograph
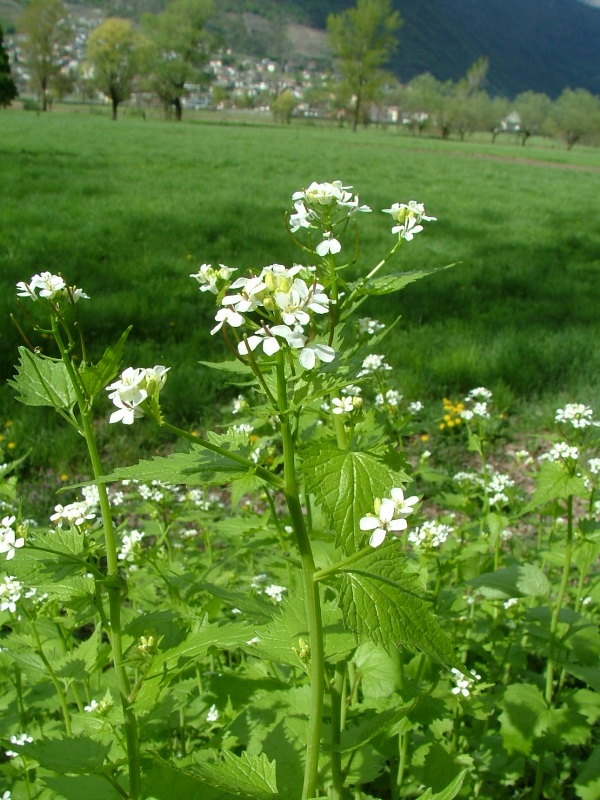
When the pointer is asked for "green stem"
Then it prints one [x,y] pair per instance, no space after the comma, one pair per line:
[559,601]
[313,600]
[337,691]
[57,684]
[115,585]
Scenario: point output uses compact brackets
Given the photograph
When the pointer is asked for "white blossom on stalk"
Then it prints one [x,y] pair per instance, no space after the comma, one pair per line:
[382,522]
[561,451]
[74,513]
[275,591]
[9,542]
[213,714]
[313,351]
[576,414]
[207,277]
[302,218]
[342,405]
[49,287]
[409,217]
[132,389]
[404,506]
[11,591]
[374,363]
[463,684]
[228,315]
[369,326]
[329,245]
[430,535]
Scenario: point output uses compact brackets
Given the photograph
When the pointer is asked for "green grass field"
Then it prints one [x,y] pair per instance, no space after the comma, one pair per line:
[128,210]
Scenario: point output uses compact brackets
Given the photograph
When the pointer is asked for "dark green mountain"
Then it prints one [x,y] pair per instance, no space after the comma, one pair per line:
[543,45]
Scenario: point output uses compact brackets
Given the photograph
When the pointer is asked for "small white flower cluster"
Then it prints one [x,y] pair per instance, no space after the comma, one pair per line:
[463,684]
[50,287]
[372,364]
[239,404]
[129,544]
[273,590]
[323,205]
[287,299]
[577,415]
[594,466]
[561,451]
[476,404]
[207,277]
[11,591]
[19,740]
[132,389]
[213,714]
[389,516]
[76,513]
[392,399]
[369,326]
[496,488]
[408,217]
[9,541]
[429,535]
[100,708]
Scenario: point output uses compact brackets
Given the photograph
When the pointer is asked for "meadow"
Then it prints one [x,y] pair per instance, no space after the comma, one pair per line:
[130,209]
[366,565]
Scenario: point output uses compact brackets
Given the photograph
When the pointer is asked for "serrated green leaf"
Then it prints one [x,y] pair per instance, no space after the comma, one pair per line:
[77,754]
[345,485]
[589,675]
[386,284]
[161,781]
[449,793]
[279,640]
[379,600]
[554,482]
[80,663]
[42,381]
[199,467]
[518,580]
[258,609]
[523,719]
[370,726]
[587,783]
[245,775]
[89,786]
[96,376]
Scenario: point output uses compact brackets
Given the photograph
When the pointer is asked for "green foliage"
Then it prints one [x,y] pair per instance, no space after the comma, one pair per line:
[42,382]
[8,90]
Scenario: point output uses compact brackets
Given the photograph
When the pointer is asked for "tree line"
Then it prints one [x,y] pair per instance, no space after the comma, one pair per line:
[167,52]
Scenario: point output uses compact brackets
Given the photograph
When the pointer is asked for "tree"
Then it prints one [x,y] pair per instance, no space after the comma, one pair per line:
[283,106]
[576,115]
[8,90]
[116,53]
[534,110]
[181,48]
[363,39]
[46,31]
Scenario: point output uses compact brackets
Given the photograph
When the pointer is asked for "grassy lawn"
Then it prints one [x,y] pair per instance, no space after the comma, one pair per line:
[128,210]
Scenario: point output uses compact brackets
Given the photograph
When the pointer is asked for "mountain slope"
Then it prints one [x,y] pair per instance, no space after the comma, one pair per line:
[544,45]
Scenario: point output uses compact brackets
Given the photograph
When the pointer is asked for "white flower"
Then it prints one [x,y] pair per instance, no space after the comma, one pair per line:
[464,684]
[382,522]
[409,217]
[213,714]
[74,514]
[8,538]
[228,315]
[11,591]
[50,287]
[404,506]
[313,351]
[132,389]
[329,245]
[342,405]
[429,535]
[302,218]
[594,466]
[374,363]
[275,591]
[93,707]
[561,451]
[21,739]
[576,414]
[207,277]
[369,326]
[415,407]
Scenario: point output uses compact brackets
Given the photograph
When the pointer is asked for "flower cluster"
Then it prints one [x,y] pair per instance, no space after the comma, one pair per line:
[208,277]
[49,287]
[10,593]
[475,404]
[9,541]
[463,684]
[452,414]
[389,516]
[369,326]
[286,299]
[429,535]
[577,415]
[561,452]
[19,740]
[372,364]
[133,388]
[408,217]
